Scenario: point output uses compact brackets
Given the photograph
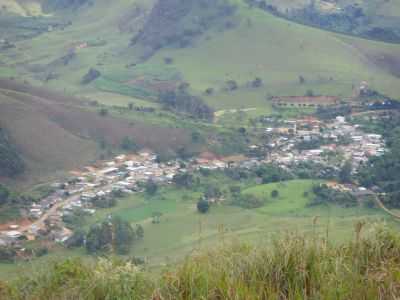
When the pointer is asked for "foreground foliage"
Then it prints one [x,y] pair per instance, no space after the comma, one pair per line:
[292,268]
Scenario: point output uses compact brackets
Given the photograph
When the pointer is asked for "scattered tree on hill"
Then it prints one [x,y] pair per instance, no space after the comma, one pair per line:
[203,206]
[302,80]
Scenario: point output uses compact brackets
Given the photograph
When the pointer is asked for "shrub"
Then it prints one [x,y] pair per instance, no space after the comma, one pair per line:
[203,206]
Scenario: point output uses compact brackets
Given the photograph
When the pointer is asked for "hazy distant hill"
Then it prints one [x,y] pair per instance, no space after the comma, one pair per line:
[375,19]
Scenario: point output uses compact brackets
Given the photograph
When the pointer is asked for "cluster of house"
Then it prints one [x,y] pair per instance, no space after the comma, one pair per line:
[324,139]
[123,174]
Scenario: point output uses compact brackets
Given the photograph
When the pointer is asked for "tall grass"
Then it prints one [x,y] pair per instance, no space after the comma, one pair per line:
[293,267]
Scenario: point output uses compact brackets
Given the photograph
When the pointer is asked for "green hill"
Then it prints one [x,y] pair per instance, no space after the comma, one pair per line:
[240,46]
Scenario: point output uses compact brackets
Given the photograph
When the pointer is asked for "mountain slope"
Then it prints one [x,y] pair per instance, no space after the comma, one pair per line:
[279,51]
[242,45]
[55,133]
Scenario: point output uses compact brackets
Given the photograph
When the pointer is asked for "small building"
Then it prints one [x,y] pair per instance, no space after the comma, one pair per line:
[304,101]
[14,234]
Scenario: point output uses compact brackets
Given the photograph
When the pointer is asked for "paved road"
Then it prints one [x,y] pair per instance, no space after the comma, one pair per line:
[39,223]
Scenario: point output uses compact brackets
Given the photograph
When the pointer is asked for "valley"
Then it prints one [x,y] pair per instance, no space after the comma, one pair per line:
[151,131]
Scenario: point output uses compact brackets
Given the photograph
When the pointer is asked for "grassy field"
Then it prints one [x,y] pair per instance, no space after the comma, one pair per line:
[279,51]
[182,229]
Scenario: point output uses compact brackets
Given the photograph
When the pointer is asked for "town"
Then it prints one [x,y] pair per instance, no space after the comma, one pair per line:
[285,143]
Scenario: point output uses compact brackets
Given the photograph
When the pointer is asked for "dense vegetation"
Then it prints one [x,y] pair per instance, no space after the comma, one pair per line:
[382,172]
[325,195]
[292,268]
[178,22]
[11,163]
[113,235]
[182,101]
[350,19]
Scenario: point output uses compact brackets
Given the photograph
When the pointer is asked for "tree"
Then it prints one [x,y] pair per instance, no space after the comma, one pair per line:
[203,206]
[302,80]
[209,91]
[103,112]
[139,231]
[128,144]
[7,254]
[156,217]
[310,93]
[275,194]
[345,172]
[183,87]
[231,85]
[131,106]
[111,235]
[124,235]
[196,137]
[76,240]
[99,237]
[212,192]
[183,180]
[257,82]
[151,187]
[4,195]
[168,60]
[235,190]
